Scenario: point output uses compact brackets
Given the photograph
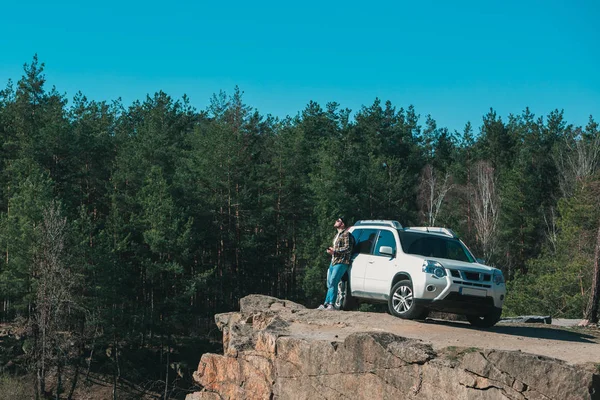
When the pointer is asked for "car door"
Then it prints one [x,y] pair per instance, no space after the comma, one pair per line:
[364,241]
[381,267]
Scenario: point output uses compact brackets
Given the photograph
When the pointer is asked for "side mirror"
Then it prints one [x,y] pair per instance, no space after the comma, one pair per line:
[386,251]
[480,260]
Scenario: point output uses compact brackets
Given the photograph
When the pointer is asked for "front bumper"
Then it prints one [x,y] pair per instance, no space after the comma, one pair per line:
[460,296]
[456,303]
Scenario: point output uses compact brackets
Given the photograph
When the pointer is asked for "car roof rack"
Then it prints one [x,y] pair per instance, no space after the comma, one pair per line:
[379,222]
[434,229]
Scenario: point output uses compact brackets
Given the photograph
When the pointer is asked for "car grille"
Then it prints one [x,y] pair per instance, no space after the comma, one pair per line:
[470,278]
[481,285]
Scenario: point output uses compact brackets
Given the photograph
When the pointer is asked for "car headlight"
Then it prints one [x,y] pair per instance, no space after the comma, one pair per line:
[498,277]
[434,267]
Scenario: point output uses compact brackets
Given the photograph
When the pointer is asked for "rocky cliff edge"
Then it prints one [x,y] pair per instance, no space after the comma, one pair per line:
[277,349]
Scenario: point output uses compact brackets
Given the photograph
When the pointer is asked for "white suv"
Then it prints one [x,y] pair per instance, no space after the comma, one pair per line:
[419,269]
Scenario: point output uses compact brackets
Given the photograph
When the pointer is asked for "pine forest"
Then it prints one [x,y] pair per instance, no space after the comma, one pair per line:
[125,228]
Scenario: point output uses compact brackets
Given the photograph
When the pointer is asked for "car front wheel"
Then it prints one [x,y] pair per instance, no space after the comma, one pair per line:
[402,304]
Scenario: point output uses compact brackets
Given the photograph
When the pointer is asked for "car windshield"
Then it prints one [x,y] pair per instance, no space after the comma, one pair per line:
[429,245]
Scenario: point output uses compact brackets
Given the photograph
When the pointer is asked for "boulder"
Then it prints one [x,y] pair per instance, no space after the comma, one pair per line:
[528,319]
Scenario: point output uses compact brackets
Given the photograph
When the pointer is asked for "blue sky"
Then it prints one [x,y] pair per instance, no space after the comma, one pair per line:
[451,59]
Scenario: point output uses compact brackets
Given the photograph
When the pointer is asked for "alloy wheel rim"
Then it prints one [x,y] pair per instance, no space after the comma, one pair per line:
[402,299]
[341,293]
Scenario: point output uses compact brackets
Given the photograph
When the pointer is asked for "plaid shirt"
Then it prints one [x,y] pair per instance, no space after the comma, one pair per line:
[342,249]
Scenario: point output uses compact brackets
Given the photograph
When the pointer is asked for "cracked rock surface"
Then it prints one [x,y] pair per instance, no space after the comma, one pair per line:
[277,349]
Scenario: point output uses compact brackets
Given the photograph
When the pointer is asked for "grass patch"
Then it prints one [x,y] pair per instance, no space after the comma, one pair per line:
[454,353]
[16,387]
[471,350]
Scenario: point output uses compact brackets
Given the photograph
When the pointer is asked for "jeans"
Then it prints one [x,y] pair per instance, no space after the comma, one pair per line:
[334,275]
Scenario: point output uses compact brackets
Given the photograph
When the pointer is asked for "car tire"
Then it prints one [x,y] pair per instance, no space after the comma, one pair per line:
[401,302]
[485,321]
[344,299]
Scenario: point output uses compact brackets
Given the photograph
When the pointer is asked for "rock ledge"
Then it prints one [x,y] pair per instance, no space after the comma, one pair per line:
[267,357]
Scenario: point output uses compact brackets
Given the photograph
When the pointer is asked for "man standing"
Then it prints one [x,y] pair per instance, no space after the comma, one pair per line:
[340,252]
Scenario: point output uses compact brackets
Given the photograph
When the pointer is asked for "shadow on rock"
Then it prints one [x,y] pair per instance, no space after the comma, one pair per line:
[539,332]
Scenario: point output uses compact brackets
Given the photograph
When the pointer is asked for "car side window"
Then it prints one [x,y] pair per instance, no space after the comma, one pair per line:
[364,239]
[386,238]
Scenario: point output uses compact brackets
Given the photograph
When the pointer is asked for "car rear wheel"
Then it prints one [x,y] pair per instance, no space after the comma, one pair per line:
[401,302]
[344,299]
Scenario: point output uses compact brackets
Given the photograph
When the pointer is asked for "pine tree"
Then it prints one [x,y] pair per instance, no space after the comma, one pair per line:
[31,193]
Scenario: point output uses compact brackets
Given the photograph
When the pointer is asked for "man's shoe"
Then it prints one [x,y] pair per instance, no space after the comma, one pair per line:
[321,307]
[329,307]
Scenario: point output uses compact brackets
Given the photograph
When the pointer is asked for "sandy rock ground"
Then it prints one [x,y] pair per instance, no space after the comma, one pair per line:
[276,348]
[574,345]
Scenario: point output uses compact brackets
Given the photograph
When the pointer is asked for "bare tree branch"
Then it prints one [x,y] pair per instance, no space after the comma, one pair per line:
[432,192]
[486,207]
[578,159]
